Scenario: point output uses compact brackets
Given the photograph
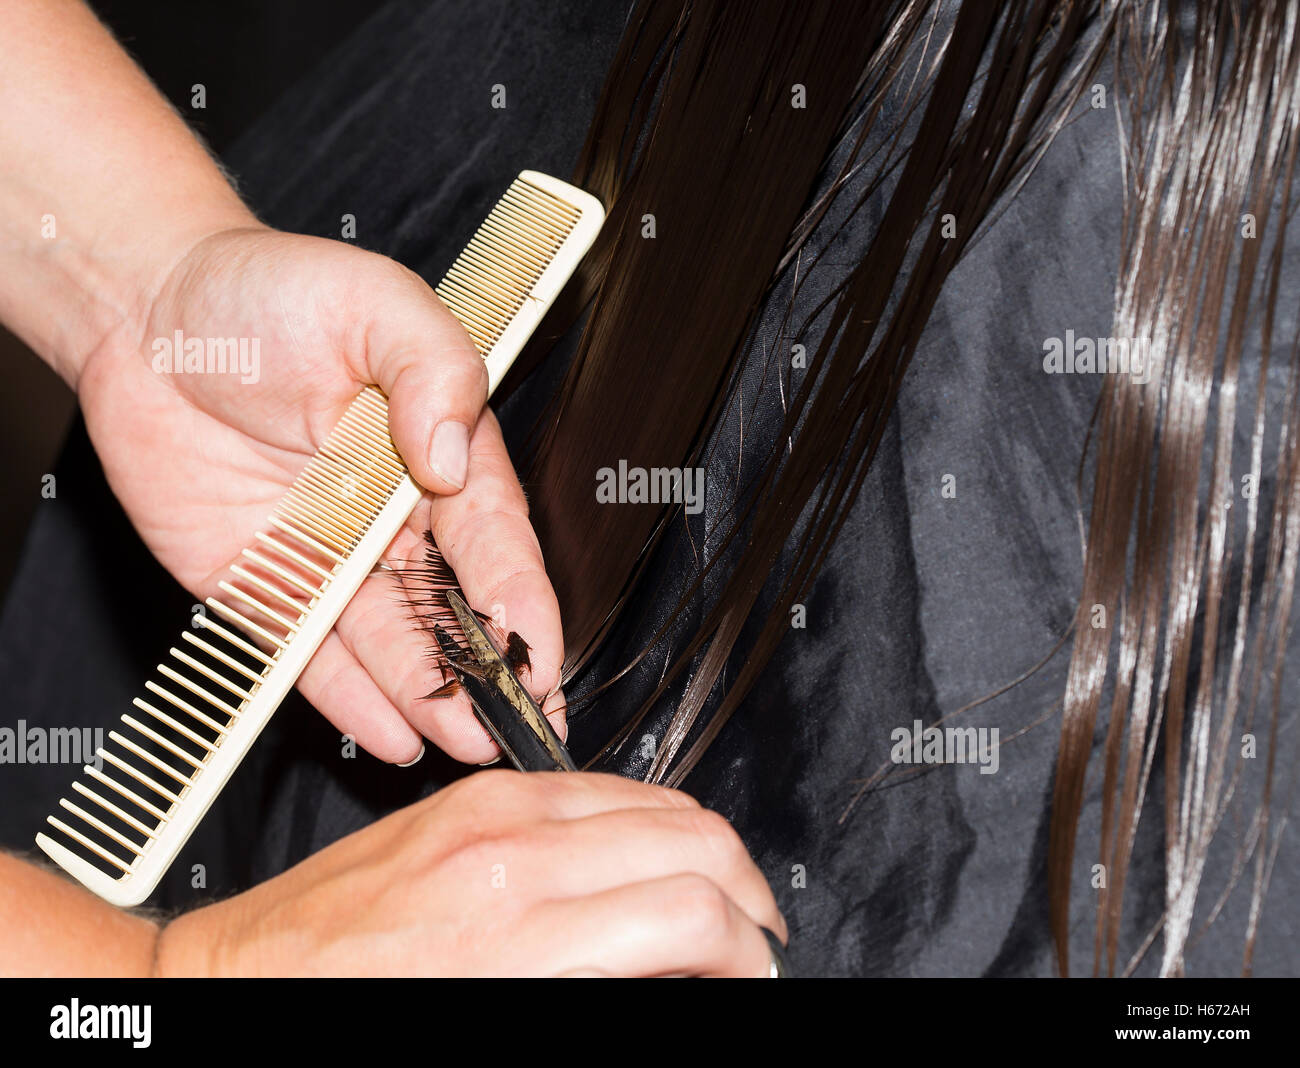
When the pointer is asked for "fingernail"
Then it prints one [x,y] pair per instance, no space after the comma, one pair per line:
[418,757]
[488,763]
[449,452]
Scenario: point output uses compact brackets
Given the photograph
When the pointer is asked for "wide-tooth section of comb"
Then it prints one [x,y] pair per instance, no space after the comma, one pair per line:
[167,761]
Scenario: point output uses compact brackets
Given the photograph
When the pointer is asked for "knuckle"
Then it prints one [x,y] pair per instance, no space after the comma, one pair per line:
[457,350]
[396,275]
[489,783]
[700,909]
[675,798]
[557,793]
[479,850]
[470,366]
[480,800]
[512,791]
[540,795]
[495,502]
[712,828]
[407,279]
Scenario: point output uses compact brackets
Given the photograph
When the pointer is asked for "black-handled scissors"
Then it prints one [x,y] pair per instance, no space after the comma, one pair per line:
[501,702]
[514,720]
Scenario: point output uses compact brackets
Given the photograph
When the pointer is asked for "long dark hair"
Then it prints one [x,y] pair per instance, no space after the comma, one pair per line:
[734,131]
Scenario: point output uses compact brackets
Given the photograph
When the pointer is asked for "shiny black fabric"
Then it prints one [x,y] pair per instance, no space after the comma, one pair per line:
[929,601]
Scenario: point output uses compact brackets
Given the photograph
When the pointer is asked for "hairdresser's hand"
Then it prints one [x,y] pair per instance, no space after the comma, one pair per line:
[116,229]
[503,874]
[200,460]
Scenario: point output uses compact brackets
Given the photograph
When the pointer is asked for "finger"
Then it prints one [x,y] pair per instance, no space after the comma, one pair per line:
[379,629]
[566,796]
[418,353]
[556,709]
[640,844]
[343,691]
[678,925]
[485,535]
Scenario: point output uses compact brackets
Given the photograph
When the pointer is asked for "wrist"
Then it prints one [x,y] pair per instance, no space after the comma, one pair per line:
[106,286]
[185,948]
[209,942]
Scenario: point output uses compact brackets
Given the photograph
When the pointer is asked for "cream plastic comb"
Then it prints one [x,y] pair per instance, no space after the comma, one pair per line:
[163,768]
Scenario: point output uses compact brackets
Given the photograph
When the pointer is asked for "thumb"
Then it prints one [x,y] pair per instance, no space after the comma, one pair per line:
[421,357]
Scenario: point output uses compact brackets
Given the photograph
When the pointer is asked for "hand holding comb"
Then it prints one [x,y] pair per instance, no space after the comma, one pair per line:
[164,766]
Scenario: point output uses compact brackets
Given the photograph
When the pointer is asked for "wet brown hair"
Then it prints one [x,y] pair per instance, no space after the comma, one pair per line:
[746,202]
[1210,152]
[695,127]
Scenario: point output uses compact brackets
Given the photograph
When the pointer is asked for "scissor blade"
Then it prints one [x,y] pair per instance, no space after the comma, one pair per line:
[504,701]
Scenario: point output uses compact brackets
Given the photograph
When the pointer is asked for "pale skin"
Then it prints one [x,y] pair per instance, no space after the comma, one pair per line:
[601,875]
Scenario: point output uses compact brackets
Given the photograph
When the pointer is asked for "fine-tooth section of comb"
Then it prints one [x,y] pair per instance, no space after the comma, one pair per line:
[161,769]
[501,303]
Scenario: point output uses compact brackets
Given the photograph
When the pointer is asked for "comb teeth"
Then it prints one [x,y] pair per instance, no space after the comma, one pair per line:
[485,289]
[161,769]
[335,499]
[152,761]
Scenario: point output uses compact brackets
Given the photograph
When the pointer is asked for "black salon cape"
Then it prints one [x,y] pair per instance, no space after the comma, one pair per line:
[930,599]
